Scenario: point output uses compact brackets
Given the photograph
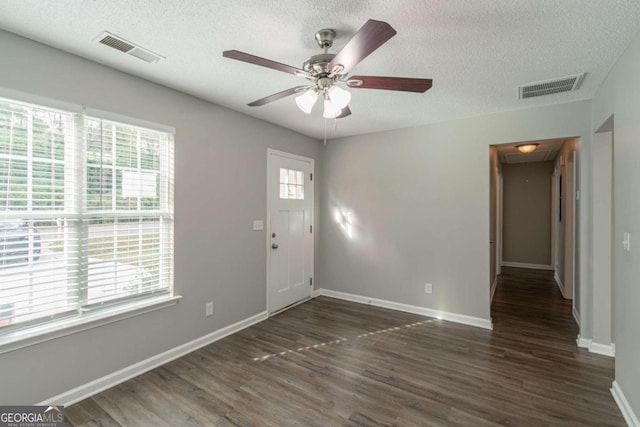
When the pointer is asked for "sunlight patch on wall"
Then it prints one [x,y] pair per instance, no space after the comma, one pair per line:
[345,220]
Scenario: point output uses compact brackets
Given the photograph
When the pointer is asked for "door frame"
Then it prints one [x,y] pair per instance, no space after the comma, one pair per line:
[498,188]
[555,180]
[569,208]
[574,234]
[499,220]
[271,152]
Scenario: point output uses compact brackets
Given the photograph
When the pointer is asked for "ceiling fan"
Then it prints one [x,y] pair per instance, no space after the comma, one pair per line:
[327,71]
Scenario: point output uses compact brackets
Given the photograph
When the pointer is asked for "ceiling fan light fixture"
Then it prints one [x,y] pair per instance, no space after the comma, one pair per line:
[339,97]
[307,100]
[527,148]
[325,71]
[330,109]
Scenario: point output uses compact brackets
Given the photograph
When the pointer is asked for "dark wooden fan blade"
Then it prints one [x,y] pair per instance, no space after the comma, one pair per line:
[252,59]
[389,83]
[276,96]
[371,36]
[346,111]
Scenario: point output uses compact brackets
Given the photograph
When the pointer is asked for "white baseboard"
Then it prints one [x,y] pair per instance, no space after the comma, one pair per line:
[576,315]
[526,265]
[583,342]
[443,315]
[317,292]
[87,390]
[628,414]
[494,285]
[560,284]
[596,348]
[603,349]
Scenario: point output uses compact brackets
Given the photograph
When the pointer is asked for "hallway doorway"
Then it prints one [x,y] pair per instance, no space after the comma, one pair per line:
[534,214]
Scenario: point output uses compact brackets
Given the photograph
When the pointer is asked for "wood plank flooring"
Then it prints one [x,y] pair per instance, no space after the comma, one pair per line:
[331,363]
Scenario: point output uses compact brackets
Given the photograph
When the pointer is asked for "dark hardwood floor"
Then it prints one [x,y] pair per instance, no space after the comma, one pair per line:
[329,362]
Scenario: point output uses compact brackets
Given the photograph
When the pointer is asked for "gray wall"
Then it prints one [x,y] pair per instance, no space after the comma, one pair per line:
[618,96]
[420,202]
[217,255]
[527,213]
[602,236]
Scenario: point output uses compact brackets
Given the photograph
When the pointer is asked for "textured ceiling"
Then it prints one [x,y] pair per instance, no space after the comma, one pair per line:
[477,52]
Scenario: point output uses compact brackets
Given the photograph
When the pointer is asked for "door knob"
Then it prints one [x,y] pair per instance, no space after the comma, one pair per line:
[274,246]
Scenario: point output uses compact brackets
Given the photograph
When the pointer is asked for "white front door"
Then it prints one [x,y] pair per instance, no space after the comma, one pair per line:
[290,233]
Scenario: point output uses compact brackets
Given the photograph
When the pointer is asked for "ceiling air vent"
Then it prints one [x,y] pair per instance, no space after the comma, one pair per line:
[549,87]
[118,43]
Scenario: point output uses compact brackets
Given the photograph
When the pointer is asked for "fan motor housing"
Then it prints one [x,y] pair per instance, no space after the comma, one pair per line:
[317,64]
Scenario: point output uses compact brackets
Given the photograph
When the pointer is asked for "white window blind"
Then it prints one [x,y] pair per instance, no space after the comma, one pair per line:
[129,211]
[86,214]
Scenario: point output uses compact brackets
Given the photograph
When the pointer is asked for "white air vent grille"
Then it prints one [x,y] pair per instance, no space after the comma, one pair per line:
[118,43]
[115,43]
[549,87]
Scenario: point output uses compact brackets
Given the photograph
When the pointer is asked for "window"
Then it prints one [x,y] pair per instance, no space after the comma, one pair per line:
[86,214]
[291,184]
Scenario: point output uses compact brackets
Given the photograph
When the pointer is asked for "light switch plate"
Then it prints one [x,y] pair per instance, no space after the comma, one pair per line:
[258,224]
[626,241]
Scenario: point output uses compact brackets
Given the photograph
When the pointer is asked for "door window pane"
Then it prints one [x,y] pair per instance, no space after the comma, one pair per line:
[291,184]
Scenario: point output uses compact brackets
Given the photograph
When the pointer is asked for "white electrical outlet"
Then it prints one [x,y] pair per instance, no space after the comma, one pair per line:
[428,288]
[209,309]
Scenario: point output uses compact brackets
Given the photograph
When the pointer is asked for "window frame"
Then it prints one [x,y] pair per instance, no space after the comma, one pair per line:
[88,316]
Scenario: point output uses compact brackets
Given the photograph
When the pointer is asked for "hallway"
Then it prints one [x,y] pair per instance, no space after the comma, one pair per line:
[530,300]
[529,310]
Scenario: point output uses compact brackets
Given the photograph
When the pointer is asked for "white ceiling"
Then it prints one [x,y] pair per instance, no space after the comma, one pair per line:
[477,52]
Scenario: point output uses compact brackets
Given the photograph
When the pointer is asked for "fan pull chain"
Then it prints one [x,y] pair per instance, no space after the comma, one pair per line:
[325,131]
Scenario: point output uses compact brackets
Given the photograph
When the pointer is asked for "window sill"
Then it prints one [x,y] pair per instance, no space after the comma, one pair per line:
[62,328]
